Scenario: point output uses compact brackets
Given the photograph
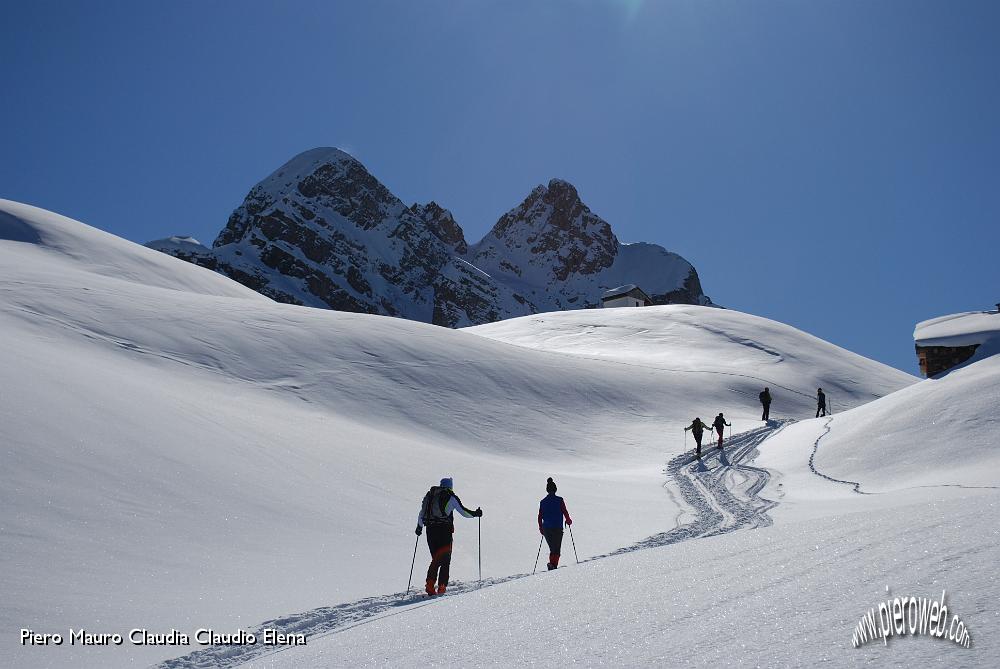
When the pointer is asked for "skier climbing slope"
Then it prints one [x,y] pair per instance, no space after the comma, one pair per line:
[437,513]
[720,425]
[551,511]
[697,428]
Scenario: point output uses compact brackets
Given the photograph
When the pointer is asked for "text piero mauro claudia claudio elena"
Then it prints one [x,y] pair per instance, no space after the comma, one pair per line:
[144,637]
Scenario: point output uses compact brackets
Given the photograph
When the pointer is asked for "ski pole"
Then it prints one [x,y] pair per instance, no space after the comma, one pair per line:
[412,562]
[573,539]
[480,519]
[535,568]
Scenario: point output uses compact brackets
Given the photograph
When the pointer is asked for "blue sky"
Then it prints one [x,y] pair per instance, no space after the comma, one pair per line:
[833,165]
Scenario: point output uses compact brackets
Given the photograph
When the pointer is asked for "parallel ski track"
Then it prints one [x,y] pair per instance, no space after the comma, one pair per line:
[721,491]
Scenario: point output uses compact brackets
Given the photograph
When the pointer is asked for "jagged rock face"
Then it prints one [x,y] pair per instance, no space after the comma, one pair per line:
[689,293]
[561,235]
[442,224]
[561,255]
[322,231]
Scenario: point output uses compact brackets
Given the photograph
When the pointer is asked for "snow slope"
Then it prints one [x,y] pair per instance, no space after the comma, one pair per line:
[935,436]
[182,452]
[857,521]
[69,246]
[704,346]
[784,596]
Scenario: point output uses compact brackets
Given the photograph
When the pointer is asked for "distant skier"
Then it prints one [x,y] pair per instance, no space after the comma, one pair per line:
[437,513]
[697,427]
[720,426]
[551,511]
[765,401]
[820,402]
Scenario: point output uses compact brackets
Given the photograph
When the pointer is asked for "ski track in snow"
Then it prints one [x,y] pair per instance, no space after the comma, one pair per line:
[812,465]
[721,491]
[856,486]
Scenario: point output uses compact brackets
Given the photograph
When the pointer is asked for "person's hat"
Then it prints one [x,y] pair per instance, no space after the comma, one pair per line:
[447,482]
[550,486]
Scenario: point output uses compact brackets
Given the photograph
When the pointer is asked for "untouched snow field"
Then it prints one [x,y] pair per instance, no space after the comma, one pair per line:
[181,452]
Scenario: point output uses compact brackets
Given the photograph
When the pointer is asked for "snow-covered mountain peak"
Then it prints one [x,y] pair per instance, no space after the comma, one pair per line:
[563,192]
[557,205]
[316,182]
[550,236]
[564,256]
[322,163]
[307,162]
[560,192]
[322,231]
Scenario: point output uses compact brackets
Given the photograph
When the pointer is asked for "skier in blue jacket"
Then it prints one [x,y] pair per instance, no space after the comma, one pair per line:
[551,511]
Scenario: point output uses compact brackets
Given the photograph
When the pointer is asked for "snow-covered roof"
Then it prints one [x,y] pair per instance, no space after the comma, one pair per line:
[620,290]
[181,244]
[965,329]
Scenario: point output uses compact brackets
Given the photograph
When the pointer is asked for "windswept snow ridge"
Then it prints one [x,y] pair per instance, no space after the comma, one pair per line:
[74,247]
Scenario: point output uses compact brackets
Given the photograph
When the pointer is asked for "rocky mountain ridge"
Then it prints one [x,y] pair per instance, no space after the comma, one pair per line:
[322,231]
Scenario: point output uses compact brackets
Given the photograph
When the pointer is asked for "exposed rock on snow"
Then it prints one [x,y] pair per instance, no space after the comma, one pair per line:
[322,231]
[563,256]
[442,224]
